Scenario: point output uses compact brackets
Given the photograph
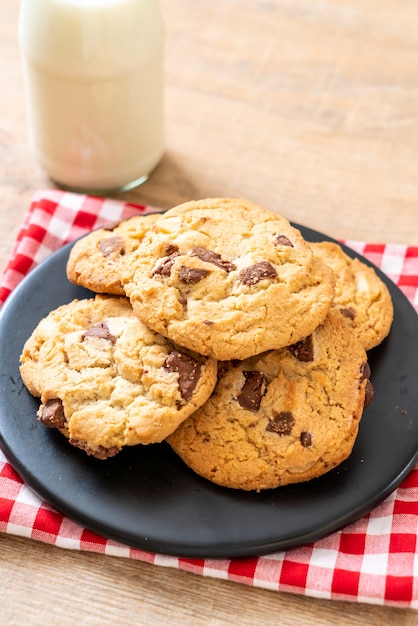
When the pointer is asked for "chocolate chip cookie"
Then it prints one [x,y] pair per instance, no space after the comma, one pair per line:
[282,417]
[228,279]
[94,259]
[106,380]
[360,294]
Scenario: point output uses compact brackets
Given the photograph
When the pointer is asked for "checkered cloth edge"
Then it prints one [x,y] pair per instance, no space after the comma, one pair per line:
[374,560]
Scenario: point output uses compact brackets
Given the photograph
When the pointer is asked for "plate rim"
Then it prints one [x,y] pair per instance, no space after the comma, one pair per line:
[193,551]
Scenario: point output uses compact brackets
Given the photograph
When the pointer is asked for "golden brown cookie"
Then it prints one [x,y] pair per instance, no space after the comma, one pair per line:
[360,294]
[94,259]
[106,380]
[227,278]
[282,417]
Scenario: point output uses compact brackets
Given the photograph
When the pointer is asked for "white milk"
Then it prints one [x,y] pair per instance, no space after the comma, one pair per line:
[94,81]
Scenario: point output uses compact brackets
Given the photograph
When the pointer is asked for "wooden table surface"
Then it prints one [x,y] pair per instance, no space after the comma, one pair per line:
[308,107]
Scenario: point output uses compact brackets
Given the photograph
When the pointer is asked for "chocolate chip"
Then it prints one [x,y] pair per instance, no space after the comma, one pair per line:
[112,246]
[52,414]
[281,423]
[213,257]
[164,268]
[304,349]
[191,275]
[100,330]
[282,240]
[254,273]
[100,453]
[252,391]
[188,370]
[171,248]
[306,439]
[365,375]
[348,312]
[365,371]
[369,394]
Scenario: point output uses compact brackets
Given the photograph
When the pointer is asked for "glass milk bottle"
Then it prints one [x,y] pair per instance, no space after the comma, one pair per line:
[93,73]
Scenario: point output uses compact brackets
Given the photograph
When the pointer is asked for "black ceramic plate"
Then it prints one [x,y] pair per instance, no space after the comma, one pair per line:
[147,498]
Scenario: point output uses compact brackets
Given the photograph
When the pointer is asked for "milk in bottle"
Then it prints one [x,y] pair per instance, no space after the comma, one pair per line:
[93,72]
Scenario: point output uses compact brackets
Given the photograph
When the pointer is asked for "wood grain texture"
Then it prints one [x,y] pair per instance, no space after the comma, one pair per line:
[309,107]
[42,585]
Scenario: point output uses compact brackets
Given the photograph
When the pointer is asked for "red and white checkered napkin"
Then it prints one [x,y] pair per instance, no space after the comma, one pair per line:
[374,560]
